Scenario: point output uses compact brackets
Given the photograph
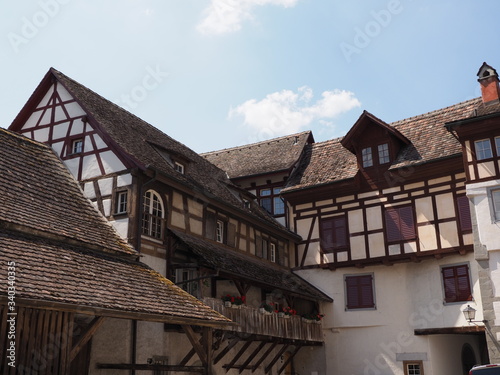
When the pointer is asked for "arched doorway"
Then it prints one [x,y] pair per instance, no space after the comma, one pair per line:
[468,358]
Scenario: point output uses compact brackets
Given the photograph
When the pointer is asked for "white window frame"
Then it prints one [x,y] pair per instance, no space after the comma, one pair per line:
[367,157]
[383,153]
[480,151]
[179,167]
[272,252]
[121,202]
[152,216]
[219,231]
[77,146]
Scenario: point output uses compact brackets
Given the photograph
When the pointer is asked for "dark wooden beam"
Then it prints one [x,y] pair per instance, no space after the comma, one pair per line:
[147,367]
[276,357]
[196,344]
[450,331]
[289,359]
[224,351]
[86,336]
[207,337]
[252,356]
[237,356]
[264,356]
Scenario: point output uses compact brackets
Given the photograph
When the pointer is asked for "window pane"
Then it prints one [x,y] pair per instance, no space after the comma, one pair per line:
[266,203]
[265,192]
[483,149]
[279,206]
[497,145]
[366,154]
[121,202]
[383,153]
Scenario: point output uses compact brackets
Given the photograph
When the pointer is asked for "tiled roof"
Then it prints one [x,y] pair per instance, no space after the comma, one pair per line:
[253,269]
[37,192]
[269,156]
[328,162]
[145,144]
[65,251]
[54,272]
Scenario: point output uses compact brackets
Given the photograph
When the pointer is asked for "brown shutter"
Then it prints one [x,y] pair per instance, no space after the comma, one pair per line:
[333,233]
[231,234]
[464,213]
[210,225]
[326,235]
[407,226]
[340,232]
[456,283]
[392,225]
[359,291]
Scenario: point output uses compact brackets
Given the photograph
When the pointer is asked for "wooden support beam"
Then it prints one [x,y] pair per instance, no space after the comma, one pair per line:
[242,287]
[264,356]
[276,357]
[224,351]
[147,367]
[237,356]
[289,359]
[196,344]
[207,338]
[86,336]
[252,356]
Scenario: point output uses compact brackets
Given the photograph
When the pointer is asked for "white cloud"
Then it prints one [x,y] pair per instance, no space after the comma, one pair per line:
[287,112]
[225,16]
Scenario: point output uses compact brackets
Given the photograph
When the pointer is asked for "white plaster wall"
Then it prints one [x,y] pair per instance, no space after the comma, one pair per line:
[408,296]
[488,228]
[158,264]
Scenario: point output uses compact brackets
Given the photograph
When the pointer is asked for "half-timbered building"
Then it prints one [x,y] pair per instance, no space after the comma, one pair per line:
[72,289]
[479,135]
[189,222]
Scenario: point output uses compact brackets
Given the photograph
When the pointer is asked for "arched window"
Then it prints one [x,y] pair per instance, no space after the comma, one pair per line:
[152,214]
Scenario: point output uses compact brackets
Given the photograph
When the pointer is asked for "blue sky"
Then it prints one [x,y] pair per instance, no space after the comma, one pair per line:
[220,73]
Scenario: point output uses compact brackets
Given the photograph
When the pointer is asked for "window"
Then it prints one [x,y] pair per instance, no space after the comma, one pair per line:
[265,249]
[184,279]
[367,158]
[413,367]
[333,234]
[121,202]
[272,253]
[152,214]
[497,145]
[77,146]
[399,223]
[495,195]
[383,153]
[456,283]
[483,149]
[219,233]
[179,167]
[359,292]
[464,213]
[159,360]
[271,201]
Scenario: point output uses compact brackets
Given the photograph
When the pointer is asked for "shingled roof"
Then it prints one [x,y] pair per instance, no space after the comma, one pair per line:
[328,162]
[274,155]
[242,266]
[65,252]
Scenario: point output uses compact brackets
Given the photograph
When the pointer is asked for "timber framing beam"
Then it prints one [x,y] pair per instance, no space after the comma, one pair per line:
[86,336]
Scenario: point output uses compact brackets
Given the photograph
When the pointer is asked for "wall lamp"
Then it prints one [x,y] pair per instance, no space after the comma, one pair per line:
[470,314]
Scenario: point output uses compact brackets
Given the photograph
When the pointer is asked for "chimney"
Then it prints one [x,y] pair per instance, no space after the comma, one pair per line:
[488,79]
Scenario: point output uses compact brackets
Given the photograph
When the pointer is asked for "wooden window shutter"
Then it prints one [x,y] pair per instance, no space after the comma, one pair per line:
[456,283]
[359,292]
[407,226]
[392,225]
[258,246]
[333,233]
[231,234]
[210,225]
[464,213]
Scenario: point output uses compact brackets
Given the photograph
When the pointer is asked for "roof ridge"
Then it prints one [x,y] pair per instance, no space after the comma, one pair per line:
[434,112]
[248,145]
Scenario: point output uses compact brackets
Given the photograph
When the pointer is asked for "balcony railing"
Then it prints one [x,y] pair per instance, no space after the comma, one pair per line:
[251,321]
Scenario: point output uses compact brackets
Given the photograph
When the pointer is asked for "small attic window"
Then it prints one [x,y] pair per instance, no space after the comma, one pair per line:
[77,146]
[367,157]
[383,153]
[179,167]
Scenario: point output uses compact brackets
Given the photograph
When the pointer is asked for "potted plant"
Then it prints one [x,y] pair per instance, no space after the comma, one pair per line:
[227,299]
[266,308]
[312,318]
[288,312]
[237,301]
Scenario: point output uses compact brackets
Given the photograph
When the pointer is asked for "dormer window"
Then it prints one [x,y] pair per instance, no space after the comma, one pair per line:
[77,146]
[483,149]
[366,154]
[179,167]
[219,234]
[383,153]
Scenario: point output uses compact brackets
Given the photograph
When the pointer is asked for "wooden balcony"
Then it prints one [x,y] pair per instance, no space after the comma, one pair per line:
[251,321]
